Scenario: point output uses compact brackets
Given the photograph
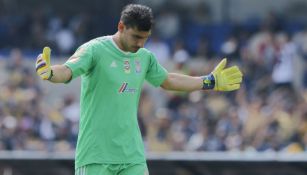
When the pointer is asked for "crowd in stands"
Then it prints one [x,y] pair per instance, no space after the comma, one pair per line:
[268,113]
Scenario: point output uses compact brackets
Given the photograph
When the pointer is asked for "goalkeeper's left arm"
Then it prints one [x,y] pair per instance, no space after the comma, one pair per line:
[220,79]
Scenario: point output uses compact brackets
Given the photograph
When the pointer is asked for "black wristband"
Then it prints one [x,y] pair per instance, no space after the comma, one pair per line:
[208,81]
[51,75]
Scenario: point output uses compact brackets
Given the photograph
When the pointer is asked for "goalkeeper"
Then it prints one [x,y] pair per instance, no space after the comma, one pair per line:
[113,69]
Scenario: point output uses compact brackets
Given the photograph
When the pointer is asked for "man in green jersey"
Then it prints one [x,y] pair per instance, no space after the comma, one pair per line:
[113,69]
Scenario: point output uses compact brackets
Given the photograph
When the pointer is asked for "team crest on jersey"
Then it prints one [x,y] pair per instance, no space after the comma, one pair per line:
[127,66]
[138,67]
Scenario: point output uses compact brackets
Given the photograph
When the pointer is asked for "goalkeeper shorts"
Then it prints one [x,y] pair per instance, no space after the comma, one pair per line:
[113,169]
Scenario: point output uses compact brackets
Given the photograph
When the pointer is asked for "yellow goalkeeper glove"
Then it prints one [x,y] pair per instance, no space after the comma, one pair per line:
[221,79]
[43,67]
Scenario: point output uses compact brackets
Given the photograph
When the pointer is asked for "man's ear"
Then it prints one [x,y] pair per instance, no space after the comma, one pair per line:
[120,26]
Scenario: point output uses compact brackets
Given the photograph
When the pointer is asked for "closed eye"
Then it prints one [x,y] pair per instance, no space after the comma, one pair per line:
[138,37]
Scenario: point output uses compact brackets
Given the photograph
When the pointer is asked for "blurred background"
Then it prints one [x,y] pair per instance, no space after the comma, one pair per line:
[259,129]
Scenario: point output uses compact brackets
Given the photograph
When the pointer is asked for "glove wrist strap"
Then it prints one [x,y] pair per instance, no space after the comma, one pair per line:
[208,82]
[51,75]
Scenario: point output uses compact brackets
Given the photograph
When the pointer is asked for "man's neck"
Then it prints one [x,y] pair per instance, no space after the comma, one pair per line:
[117,41]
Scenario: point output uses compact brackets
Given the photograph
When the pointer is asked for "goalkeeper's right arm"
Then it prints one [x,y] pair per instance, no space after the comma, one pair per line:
[56,73]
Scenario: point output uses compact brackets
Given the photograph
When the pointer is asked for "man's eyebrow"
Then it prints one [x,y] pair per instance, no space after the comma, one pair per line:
[138,36]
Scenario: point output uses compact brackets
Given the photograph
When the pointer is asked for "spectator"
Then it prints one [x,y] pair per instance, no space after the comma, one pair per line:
[283,70]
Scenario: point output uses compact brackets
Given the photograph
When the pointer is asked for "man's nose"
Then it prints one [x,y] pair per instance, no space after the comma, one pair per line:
[140,44]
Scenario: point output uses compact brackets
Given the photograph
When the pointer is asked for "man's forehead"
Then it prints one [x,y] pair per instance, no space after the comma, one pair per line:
[141,33]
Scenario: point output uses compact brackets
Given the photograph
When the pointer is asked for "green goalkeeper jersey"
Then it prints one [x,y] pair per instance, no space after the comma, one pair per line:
[111,85]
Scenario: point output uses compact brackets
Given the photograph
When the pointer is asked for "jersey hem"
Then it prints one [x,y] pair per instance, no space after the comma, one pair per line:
[72,72]
[159,83]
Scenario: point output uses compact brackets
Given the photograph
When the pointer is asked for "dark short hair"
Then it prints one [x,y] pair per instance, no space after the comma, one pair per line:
[136,15]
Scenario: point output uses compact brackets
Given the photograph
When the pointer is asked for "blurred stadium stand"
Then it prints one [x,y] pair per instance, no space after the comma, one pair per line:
[260,129]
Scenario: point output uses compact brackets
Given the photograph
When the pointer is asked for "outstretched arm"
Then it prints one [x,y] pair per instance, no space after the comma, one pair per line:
[56,73]
[220,79]
[61,74]
[180,82]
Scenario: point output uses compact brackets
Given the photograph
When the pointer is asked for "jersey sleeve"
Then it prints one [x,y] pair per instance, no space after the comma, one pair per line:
[81,61]
[156,74]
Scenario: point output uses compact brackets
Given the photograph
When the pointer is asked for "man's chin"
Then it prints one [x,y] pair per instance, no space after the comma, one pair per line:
[134,50]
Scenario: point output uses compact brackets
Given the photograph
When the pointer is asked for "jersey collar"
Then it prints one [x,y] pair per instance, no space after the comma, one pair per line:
[128,54]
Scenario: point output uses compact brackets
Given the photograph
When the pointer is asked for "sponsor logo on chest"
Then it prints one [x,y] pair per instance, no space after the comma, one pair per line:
[125,89]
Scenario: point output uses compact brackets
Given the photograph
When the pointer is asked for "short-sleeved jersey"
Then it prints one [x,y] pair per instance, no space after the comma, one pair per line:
[111,82]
